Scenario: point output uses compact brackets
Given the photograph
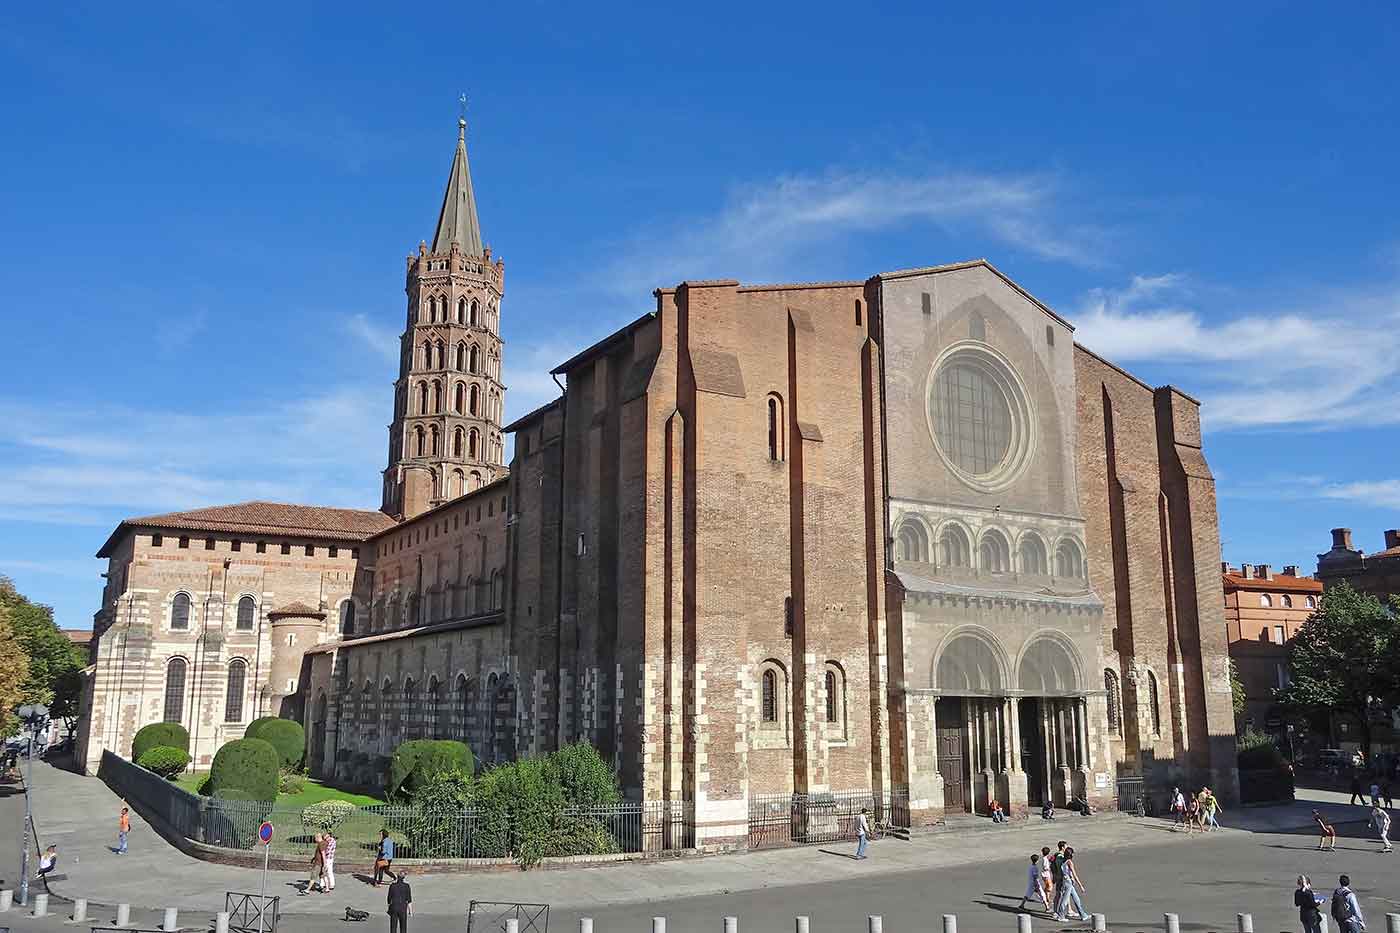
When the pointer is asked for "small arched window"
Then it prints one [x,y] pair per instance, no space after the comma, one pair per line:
[175,690]
[180,616]
[458,398]
[434,432]
[459,482]
[994,554]
[418,441]
[422,398]
[1311,602]
[233,695]
[1265,599]
[476,480]
[1068,560]
[954,548]
[858,314]
[441,355]
[457,442]
[474,400]
[770,696]
[461,310]
[473,443]
[776,426]
[247,610]
[427,355]
[911,543]
[461,366]
[1287,601]
[437,398]
[831,697]
[473,359]
[1114,698]
[472,314]
[1155,704]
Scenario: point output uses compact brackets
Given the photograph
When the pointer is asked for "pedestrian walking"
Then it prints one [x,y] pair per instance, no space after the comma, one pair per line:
[1355,787]
[384,858]
[1309,904]
[328,862]
[400,904]
[1346,909]
[1193,815]
[862,832]
[317,861]
[1385,794]
[1375,792]
[123,827]
[1035,885]
[1212,806]
[1380,821]
[1178,808]
[1327,833]
[1070,889]
[1047,877]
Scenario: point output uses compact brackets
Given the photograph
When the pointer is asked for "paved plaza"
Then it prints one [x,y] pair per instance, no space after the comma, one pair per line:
[1135,870]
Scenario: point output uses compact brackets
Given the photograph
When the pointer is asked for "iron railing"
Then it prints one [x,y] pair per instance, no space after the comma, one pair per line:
[1132,795]
[807,819]
[248,913]
[492,917]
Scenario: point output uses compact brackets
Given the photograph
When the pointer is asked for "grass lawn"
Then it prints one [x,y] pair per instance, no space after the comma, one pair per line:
[315,792]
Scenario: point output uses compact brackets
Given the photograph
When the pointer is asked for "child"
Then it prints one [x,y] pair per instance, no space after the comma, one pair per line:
[1035,887]
[1328,833]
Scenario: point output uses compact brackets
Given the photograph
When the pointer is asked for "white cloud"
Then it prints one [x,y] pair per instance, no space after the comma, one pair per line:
[764,226]
[381,340]
[1326,359]
[1383,493]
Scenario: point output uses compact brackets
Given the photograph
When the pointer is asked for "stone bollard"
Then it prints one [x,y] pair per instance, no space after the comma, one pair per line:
[1392,923]
[80,910]
[803,925]
[512,925]
[172,920]
[731,925]
[950,923]
[7,900]
[1100,923]
[874,924]
[1023,923]
[1171,923]
[585,925]
[123,915]
[41,905]
[1244,923]
[658,925]
[221,922]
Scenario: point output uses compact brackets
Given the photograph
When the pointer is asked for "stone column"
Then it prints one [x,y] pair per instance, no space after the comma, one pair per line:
[1084,779]
[1012,783]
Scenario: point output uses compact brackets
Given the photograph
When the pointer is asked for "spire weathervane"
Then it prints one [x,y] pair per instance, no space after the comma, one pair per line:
[462,116]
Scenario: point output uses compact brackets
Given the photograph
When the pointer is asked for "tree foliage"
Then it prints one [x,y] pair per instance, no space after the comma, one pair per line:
[1346,660]
[285,735]
[52,661]
[164,760]
[14,673]
[418,761]
[1237,694]
[168,734]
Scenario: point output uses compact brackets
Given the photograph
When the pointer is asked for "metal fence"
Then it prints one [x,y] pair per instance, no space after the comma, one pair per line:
[807,819]
[1132,795]
[631,827]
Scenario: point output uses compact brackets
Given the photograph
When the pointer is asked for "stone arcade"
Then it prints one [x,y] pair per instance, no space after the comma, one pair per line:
[893,534]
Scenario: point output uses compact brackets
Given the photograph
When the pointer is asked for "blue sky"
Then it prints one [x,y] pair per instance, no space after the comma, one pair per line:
[204,211]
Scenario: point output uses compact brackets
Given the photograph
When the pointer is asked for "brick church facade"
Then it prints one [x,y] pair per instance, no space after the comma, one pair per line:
[899,534]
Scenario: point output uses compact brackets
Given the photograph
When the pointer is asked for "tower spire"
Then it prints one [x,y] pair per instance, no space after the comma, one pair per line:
[457,221]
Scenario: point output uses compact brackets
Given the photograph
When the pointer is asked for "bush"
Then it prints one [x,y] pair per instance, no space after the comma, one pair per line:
[169,734]
[326,815]
[416,763]
[434,830]
[1258,751]
[584,777]
[248,765]
[166,761]
[285,735]
[291,782]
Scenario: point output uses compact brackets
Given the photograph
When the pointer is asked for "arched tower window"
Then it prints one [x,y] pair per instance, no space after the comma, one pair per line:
[422,398]
[473,359]
[474,402]
[180,614]
[459,481]
[457,397]
[175,690]
[437,398]
[476,480]
[1114,698]
[770,696]
[441,356]
[427,355]
[461,310]
[911,543]
[418,442]
[1032,554]
[776,426]
[247,609]
[457,442]
[434,432]
[472,314]
[1068,560]
[233,695]
[954,548]
[994,554]
[347,617]
[461,361]
[1154,703]
[473,444]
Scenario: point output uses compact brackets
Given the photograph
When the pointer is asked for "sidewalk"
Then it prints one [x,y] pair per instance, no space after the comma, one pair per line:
[79,815]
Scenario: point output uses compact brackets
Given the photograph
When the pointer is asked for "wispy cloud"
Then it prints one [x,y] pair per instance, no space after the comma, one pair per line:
[1327,359]
[381,340]
[757,234]
[1383,493]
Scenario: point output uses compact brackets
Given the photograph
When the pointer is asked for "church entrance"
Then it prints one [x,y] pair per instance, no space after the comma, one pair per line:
[951,728]
[1033,751]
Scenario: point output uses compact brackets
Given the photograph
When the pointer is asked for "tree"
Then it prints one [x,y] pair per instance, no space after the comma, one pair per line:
[1237,695]
[1345,660]
[54,662]
[14,672]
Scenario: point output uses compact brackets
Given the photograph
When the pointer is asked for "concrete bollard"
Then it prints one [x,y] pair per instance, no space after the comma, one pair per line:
[658,925]
[1244,923]
[1023,923]
[1171,923]
[7,900]
[221,922]
[172,919]
[731,925]
[874,924]
[950,923]
[41,905]
[1392,923]
[80,910]
[123,915]
[803,925]
[1100,923]
[585,925]
[512,925]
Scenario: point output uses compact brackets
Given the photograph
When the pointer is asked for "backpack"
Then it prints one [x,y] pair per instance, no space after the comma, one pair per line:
[1341,910]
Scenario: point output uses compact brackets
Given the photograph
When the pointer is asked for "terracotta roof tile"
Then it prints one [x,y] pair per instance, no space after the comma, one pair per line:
[1280,583]
[264,518]
[296,610]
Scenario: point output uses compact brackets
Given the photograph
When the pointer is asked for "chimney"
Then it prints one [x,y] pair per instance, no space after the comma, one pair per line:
[1263,572]
[1225,567]
[1392,538]
[1291,570]
[1341,538]
[1246,570]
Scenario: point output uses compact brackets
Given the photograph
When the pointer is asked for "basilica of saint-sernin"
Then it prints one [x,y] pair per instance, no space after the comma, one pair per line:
[900,535]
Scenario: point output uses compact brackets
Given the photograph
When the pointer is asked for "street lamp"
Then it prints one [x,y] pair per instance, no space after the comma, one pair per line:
[35,718]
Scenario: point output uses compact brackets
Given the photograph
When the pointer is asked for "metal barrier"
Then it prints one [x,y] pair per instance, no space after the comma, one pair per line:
[249,913]
[1132,795]
[495,917]
[808,819]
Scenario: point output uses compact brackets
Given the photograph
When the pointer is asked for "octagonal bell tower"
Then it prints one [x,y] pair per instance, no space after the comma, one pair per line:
[445,438]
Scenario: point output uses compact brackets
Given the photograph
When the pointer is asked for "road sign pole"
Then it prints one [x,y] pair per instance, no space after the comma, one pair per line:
[265,834]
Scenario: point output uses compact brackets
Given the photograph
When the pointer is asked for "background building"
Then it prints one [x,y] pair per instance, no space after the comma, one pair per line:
[1377,573]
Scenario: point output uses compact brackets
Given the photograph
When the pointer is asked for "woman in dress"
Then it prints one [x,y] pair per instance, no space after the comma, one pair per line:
[318,864]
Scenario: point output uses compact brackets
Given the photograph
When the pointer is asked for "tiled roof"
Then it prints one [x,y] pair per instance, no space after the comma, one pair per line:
[1280,583]
[78,636]
[263,518]
[296,610]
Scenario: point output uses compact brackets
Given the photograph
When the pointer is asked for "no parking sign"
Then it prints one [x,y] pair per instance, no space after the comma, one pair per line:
[265,832]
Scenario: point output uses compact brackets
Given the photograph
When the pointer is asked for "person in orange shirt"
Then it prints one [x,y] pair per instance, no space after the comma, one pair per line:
[123,827]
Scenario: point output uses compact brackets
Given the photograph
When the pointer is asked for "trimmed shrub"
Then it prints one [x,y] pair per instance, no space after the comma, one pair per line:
[291,782]
[416,763]
[166,761]
[326,815]
[248,765]
[169,734]
[1258,751]
[285,735]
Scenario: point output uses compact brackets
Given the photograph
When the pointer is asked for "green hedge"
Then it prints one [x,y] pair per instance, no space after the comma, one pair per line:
[248,765]
[1256,751]
[169,734]
[165,761]
[285,735]
[326,815]
[416,763]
